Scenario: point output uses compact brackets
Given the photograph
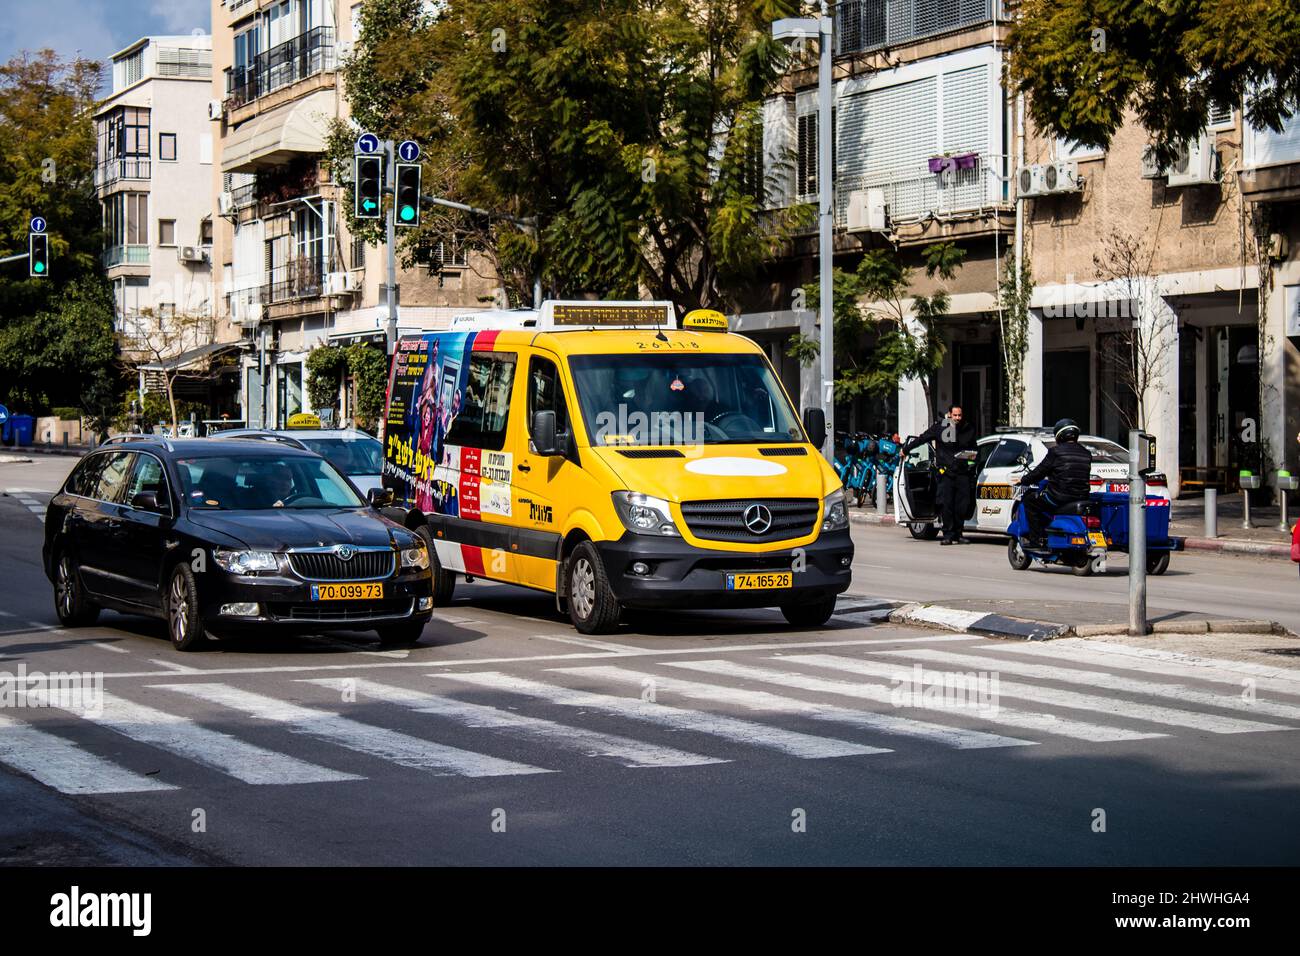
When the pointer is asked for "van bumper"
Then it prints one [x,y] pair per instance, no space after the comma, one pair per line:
[684,576]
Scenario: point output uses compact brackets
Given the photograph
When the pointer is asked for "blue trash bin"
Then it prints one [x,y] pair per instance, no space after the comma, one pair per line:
[23,427]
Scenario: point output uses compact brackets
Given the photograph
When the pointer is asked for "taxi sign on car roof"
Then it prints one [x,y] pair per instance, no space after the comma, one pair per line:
[705,320]
[302,420]
[556,315]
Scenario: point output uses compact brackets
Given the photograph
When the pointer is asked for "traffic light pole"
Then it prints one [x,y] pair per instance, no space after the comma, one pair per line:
[529,223]
[390,245]
[17,258]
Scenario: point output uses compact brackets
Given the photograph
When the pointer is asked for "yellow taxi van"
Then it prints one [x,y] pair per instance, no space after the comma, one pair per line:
[596,451]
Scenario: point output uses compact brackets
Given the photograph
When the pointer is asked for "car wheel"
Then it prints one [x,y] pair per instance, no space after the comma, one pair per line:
[923,531]
[184,622]
[399,635]
[70,602]
[592,605]
[809,614]
[1016,555]
[1158,564]
[444,581]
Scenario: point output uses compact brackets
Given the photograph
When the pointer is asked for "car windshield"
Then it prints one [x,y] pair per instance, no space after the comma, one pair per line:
[261,482]
[682,399]
[1103,452]
[352,456]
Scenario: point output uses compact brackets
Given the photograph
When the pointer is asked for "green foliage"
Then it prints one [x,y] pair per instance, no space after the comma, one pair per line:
[1013,321]
[102,400]
[157,410]
[368,366]
[1084,63]
[628,128]
[65,412]
[326,367]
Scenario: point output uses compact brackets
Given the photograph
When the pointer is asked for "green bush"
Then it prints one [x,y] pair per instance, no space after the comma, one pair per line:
[66,412]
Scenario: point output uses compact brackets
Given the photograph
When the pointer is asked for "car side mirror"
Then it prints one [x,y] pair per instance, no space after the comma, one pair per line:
[380,497]
[145,501]
[544,433]
[814,423]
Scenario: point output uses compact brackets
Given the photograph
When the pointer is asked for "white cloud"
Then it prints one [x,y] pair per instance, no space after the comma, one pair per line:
[183,16]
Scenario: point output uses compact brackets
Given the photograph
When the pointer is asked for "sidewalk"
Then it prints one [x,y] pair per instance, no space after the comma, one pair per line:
[21,451]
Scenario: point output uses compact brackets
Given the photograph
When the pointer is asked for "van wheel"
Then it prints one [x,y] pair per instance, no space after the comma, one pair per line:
[70,602]
[813,614]
[923,531]
[592,605]
[444,581]
[184,622]
[1016,555]
[1158,564]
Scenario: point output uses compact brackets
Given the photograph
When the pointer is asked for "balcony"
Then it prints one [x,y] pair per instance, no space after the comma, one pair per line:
[109,173]
[295,281]
[913,193]
[305,55]
[862,26]
[129,255]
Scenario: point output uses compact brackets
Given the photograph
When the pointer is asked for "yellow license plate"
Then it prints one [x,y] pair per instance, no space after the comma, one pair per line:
[367,591]
[1097,538]
[759,580]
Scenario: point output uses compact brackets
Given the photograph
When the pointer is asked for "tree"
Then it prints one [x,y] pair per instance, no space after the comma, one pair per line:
[153,344]
[368,367]
[1014,293]
[630,129]
[877,298]
[1085,63]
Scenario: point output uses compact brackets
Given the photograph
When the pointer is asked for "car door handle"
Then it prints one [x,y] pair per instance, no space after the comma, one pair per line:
[523,467]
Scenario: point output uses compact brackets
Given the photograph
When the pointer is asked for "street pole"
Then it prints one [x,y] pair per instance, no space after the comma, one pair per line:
[20,256]
[1137,538]
[390,249]
[826,233]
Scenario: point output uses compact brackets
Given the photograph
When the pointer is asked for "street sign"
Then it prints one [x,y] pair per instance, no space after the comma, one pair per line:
[408,150]
[38,223]
[367,143]
[4,414]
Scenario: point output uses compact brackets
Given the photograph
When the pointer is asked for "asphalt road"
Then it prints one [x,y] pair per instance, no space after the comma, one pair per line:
[688,738]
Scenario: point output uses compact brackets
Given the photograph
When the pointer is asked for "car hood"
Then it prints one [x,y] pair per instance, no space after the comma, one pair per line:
[281,528]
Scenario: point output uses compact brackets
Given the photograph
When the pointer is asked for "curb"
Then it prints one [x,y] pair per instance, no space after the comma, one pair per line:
[13,460]
[77,450]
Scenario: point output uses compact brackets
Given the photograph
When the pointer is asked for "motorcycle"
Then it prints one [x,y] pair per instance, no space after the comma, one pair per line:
[1073,538]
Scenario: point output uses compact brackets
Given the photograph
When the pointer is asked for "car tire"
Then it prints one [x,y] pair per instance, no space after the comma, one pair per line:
[593,608]
[444,581]
[1158,564]
[811,613]
[1016,555]
[184,621]
[401,635]
[71,604]
[923,530]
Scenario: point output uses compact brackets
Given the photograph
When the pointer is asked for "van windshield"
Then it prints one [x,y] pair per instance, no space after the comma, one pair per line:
[682,400]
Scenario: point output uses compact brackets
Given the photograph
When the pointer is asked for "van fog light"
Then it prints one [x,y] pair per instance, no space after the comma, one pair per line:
[246,609]
[640,567]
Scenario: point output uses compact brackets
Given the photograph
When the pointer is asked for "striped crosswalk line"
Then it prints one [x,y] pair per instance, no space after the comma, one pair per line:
[732,729]
[376,741]
[1104,680]
[624,750]
[64,766]
[883,693]
[777,704]
[1052,696]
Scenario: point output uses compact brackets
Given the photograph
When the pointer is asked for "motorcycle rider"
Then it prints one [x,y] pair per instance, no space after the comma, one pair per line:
[951,437]
[1067,466]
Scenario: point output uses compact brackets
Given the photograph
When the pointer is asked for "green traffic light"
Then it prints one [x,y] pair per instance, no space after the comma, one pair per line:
[39,267]
[408,213]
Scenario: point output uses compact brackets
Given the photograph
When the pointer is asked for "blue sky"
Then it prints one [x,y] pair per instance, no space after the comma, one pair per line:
[96,28]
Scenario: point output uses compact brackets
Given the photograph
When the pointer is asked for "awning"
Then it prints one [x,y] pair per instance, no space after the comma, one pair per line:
[273,137]
[196,356]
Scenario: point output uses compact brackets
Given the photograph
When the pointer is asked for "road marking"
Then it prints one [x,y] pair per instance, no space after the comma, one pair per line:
[774,703]
[1104,680]
[588,642]
[182,736]
[354,735]
[728,728]
[6,614]
[175,667]
[103,645]
[61,764]
[1052,696]
[628,752]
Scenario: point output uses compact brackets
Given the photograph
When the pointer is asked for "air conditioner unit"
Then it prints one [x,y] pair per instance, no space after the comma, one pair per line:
[867,211]
[1029,182]
[1150,169]
[225,204]
[1194,165]
[191,254]
[1048,179]
[215,109]
[340,283]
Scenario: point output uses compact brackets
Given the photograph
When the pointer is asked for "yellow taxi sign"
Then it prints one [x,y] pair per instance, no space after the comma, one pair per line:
[302,420]
[705,320]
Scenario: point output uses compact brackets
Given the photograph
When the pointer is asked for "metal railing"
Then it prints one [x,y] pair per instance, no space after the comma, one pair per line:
[109,172]
[865,25]
[127,255]
[303,56]
[914,192]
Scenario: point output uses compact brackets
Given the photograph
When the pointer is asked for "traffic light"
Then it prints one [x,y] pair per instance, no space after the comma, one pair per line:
[38,249]
[368,187]
[408,194]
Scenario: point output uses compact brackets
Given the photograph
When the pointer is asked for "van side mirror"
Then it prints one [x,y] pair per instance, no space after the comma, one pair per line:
[814,423]
[544,432]
[380,497]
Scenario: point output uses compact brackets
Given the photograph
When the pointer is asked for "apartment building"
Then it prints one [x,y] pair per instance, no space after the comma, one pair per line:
[930,147]
[153,169]
[287,272]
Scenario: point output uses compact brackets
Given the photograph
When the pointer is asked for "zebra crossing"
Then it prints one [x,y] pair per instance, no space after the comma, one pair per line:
[27,499]
[635,712]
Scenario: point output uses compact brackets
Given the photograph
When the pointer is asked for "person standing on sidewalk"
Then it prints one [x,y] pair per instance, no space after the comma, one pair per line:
[954,453]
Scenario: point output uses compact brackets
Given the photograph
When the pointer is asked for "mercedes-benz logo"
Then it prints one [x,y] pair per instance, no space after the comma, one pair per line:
[758,519]
[345,552]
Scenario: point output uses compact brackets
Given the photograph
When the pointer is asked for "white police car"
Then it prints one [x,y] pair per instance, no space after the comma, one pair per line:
[1001,460]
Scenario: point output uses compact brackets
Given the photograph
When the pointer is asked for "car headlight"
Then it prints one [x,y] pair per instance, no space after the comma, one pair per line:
[835,513]
[643,514]
[246,562]
[416,557]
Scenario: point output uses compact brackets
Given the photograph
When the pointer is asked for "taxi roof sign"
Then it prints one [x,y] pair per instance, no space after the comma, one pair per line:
[302,420]
[705,320]
[560,314]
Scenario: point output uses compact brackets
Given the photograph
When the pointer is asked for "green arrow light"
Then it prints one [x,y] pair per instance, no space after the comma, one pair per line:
[368,205]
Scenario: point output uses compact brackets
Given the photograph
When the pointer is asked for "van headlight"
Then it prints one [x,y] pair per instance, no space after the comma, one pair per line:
[643,514]
[416,557]
[835,513]
[246,562]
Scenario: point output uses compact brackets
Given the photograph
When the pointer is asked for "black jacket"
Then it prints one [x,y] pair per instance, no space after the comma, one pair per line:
[945,451]
[1067,468]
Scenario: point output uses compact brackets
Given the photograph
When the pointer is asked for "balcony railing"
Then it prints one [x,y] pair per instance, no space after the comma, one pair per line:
[130,255]
[113,170]
[865,25]
[303,56]
[914,192]
[291,282]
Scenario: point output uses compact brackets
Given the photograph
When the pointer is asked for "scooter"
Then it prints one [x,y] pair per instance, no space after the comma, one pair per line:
[1074,538]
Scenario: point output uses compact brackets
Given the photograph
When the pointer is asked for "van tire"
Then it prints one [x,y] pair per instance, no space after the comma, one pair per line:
[444,581]
[813,614]
[593,608]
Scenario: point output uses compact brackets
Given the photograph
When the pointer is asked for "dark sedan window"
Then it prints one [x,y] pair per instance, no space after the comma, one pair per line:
[262,482]
[112,478]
